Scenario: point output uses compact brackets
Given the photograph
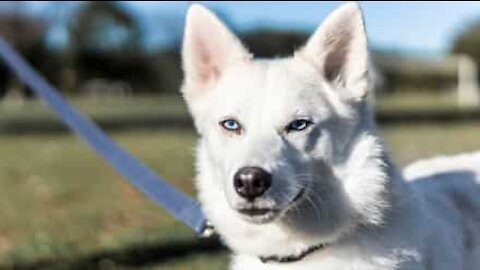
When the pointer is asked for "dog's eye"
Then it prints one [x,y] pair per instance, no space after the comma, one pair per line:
[298,125]
[231,125]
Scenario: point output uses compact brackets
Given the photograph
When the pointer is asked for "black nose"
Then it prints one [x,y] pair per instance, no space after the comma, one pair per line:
[251,182]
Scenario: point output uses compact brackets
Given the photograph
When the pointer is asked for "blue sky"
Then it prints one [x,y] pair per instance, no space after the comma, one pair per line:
[404,26]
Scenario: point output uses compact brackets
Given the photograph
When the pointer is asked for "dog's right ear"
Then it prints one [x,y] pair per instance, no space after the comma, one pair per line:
[338,49]
[208,47]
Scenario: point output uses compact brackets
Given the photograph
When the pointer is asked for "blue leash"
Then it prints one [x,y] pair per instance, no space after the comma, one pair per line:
[153,186]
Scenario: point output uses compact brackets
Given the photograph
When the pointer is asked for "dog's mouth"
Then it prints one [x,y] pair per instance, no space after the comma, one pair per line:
[253,211]
[267,214]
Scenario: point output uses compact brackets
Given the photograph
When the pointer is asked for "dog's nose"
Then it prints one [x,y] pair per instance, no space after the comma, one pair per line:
[251,182]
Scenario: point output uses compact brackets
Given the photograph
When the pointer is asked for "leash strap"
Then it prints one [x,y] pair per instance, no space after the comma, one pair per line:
[137,173]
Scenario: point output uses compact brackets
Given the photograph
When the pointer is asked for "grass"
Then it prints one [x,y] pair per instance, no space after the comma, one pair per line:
[417,101]
[167,105]
[408,143]
[59,200]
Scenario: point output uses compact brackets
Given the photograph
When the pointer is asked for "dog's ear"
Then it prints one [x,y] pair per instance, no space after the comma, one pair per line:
[208,47]
[338,49]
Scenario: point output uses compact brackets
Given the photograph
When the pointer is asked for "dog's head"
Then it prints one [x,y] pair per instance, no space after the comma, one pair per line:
[285,143]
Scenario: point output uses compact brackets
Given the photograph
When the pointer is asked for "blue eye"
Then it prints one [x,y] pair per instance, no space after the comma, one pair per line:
[231,125]
[298,125]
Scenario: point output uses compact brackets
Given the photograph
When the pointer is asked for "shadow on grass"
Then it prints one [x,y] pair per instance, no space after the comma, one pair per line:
[135,256]
[48,126]
[422,117]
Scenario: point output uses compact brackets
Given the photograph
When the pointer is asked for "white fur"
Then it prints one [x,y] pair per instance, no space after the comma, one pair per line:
[355,200]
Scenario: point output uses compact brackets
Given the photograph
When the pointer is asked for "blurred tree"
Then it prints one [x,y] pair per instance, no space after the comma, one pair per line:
[271,43]
[105,42]
[468,42]
[103,26]
[26,34]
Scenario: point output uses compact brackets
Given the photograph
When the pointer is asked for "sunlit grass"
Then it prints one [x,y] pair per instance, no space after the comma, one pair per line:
[59,199]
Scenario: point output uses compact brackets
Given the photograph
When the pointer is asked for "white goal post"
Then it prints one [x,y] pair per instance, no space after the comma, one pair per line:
[467,82]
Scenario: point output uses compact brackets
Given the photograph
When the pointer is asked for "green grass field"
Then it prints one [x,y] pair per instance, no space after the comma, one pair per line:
[59,201]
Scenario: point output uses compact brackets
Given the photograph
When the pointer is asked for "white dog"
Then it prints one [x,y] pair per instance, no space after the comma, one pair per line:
[291,171]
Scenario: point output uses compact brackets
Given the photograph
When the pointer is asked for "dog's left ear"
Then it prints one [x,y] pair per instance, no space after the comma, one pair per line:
[338,49]
[208,48]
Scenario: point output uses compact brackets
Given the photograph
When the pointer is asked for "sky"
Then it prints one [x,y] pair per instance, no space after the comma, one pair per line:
[419,27]
[404,26]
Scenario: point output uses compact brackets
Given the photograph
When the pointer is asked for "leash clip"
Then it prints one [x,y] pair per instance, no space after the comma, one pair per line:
[207,231]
